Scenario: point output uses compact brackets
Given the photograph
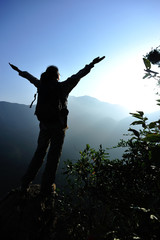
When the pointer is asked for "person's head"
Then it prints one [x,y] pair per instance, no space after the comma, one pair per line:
[51,74]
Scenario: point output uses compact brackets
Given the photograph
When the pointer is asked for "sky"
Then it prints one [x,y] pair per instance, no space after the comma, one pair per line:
[70,34]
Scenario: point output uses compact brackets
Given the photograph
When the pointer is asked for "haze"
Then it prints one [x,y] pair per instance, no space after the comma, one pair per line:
[69,34]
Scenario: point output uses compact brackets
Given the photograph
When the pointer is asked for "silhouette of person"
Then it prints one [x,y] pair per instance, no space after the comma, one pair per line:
[51,111]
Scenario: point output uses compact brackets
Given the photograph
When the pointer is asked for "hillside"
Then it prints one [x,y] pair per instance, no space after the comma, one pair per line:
[90,122]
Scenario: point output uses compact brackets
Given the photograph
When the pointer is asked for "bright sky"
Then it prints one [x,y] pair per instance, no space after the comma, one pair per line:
[70,34]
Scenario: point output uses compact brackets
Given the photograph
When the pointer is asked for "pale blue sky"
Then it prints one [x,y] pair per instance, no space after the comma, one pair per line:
[69,34]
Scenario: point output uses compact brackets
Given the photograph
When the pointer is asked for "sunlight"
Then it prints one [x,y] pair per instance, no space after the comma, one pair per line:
[126,86]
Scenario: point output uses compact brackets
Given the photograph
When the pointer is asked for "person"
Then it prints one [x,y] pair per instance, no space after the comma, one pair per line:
[51,110]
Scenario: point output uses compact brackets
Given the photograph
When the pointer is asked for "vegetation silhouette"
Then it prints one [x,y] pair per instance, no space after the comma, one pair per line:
[120,198]
[111,199]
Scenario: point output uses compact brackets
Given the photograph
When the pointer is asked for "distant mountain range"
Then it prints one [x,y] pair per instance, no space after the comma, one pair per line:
[90,122]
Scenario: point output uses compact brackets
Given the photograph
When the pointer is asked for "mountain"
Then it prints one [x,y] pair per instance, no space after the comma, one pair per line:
[90,122]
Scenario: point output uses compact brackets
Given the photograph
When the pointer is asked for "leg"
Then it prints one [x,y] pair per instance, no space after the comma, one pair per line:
[53,157]
[37,160]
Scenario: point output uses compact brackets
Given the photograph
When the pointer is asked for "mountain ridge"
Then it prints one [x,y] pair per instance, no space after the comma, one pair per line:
[90,122]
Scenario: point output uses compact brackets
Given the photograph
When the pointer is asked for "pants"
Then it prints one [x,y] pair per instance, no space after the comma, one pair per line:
[52,136]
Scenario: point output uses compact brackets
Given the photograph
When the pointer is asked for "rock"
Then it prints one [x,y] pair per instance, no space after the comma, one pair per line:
[27,216]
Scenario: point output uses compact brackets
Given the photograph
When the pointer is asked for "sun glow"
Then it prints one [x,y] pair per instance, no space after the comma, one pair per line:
[126,86]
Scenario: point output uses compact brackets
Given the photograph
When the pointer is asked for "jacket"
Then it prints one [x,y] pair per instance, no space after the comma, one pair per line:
[52,97]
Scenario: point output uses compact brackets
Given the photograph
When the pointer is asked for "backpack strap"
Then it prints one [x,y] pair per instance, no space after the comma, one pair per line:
[35,95]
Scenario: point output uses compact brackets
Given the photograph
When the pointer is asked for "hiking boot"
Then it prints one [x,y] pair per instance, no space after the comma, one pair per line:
[24,188]
[47,197]
[53,187]
[48,191]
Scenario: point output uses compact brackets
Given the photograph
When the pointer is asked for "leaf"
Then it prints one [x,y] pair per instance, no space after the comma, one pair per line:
[152,137]
[147,63]
[137,123]
[158,100]
[136,115]
[135,132]
[146,75]
[141,113]
[87,146]
[152,124]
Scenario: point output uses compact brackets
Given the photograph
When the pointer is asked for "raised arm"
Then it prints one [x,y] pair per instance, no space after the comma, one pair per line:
[26,75]
[72,81]
[83,72]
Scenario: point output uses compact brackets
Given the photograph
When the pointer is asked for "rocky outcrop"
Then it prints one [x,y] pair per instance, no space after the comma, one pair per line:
[27,216]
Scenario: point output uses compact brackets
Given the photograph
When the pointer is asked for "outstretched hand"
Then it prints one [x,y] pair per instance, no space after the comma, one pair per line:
[14,67]
[98,59]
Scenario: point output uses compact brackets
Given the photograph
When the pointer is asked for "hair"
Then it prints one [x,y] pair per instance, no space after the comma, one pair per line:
[51,73]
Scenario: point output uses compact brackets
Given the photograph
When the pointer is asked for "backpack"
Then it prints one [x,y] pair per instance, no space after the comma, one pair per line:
[51,104]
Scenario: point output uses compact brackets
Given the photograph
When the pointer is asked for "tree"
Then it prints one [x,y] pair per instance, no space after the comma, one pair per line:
[153,57]
[118,198]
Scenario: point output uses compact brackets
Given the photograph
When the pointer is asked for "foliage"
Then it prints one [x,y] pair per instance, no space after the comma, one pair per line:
[153,57]
[115,199]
